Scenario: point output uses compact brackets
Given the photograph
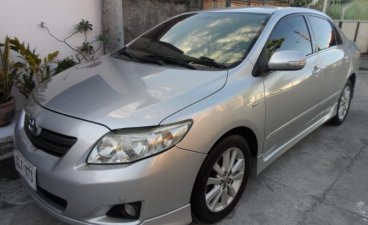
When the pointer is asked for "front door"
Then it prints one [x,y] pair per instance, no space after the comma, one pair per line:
[291,97]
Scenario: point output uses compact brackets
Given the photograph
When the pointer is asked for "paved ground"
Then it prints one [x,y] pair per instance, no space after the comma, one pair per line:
[322,180]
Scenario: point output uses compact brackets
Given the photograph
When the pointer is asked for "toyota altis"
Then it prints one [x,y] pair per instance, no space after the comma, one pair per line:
[170,127]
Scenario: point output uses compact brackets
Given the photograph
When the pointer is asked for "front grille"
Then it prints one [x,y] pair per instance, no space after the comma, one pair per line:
[52,199]
[48,141]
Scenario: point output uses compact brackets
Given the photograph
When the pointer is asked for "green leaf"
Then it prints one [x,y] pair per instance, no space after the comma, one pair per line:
[83,26]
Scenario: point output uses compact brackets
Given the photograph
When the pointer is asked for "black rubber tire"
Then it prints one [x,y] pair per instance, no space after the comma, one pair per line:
[335,121]
[200,211]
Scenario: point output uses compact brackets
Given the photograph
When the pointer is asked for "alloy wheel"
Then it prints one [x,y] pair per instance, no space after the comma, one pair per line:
[344,102]
[225,179]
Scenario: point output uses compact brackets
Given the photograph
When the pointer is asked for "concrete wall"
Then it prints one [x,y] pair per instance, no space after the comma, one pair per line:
[141,15]
[112,23]
[21,18]
[356,31]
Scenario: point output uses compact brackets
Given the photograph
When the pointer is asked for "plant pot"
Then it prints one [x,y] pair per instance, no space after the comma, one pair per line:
[7,112]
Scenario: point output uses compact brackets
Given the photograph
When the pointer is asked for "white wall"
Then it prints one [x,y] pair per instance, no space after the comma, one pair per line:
[22,18]
[350,28]
[362,37]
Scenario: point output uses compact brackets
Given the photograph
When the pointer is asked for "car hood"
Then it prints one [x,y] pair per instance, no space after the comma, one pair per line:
[121,94]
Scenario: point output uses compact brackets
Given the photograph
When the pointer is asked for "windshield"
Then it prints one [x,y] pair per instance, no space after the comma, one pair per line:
[199,40]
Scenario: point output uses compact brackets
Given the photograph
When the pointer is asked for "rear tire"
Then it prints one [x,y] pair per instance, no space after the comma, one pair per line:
[343,105]
[221,180]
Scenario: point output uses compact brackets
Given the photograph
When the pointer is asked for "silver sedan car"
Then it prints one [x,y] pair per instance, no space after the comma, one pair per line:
[169,128]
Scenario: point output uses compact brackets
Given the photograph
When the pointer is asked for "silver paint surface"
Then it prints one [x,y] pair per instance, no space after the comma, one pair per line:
[121,94]
[89,100]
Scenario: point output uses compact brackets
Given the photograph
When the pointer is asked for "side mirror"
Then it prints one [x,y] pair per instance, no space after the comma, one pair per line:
[287,60]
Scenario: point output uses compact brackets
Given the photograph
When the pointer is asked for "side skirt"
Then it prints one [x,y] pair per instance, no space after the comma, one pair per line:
[265,160]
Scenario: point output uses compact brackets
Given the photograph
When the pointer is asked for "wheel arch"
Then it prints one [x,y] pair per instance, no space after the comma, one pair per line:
[247,134]
[251,139]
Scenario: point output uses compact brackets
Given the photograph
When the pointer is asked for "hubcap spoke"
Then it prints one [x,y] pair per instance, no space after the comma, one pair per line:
[218,170]
[224,198]
[213,180]
[347,94]
[237,176]
[234,154]
[214,192]
[232,191]
[217,198]
[226,161]
[237,166]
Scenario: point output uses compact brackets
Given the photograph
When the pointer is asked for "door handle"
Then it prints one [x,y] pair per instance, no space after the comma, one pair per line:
[316,71]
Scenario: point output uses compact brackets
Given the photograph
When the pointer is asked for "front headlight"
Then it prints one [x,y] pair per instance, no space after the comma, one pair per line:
[126,146]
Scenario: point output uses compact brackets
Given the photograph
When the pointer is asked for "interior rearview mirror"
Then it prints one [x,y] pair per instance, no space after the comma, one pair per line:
[287,60]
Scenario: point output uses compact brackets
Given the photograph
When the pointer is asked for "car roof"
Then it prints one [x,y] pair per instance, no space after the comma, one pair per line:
[268,10]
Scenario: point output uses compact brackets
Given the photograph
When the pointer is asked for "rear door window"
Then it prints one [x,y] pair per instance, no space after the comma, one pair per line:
[323,33]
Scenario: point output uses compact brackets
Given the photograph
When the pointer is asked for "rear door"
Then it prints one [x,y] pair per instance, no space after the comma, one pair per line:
[291,97]
[333,58]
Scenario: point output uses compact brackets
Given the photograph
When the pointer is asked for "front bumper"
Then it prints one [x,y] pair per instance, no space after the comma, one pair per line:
[175,217]
[163,183]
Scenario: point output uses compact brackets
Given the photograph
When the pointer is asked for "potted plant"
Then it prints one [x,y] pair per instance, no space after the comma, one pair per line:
[8,72]
[32,69]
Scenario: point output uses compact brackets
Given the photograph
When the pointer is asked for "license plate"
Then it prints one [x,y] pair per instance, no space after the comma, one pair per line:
[26,169]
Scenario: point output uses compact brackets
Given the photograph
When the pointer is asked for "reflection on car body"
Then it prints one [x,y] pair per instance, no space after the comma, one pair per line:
[167,128]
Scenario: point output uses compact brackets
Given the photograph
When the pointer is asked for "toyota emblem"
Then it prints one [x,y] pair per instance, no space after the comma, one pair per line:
[32,126]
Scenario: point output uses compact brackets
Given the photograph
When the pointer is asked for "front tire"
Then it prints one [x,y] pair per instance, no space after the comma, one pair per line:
[343,104]
[221,180]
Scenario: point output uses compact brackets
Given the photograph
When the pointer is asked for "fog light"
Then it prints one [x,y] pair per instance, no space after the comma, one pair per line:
[130,210]
[127,211]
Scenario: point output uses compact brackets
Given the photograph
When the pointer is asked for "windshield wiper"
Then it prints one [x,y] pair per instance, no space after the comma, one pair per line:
[141,58]
[205,61]
[162,60]
[172,60]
